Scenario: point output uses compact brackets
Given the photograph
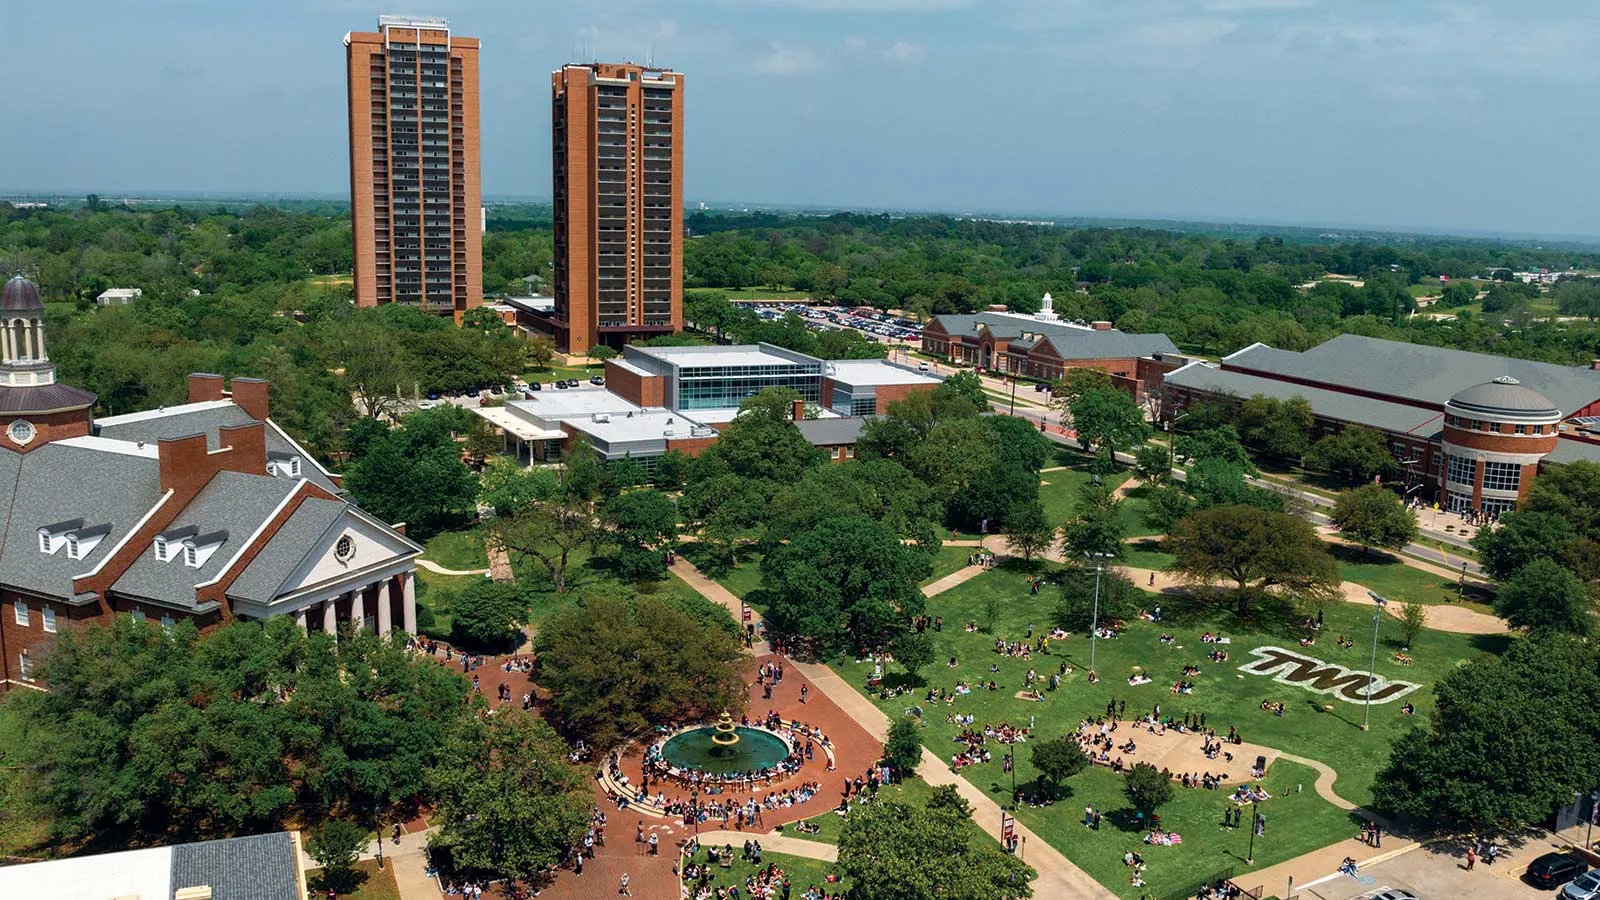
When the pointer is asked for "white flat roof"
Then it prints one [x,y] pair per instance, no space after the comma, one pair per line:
[111,445]
[133,873]
[554,405]
[874,371]
[516,425]
[626,366]
[739,355]
[644,425]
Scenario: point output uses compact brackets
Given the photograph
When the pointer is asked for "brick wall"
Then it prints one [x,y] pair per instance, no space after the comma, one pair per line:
[641,390]
[56,426]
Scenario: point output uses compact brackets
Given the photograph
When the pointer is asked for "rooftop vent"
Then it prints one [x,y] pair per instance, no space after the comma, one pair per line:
[1506,379]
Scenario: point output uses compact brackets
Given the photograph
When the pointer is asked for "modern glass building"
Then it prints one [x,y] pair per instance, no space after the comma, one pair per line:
[723,377]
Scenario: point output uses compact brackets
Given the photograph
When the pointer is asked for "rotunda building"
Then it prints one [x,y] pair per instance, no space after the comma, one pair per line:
[1495,434]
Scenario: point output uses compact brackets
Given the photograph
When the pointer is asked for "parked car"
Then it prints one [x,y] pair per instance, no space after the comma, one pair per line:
[1394,894]
[573,382]
[535,386]
[1552,870]
[922,367]
[562,385]
[1584,887]
[598,379]
[1041,386]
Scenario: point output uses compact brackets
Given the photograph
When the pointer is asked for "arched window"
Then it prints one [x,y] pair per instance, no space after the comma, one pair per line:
[19,344]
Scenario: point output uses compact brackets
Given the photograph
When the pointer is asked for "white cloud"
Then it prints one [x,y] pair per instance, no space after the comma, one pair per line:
[903,52]
[786,59]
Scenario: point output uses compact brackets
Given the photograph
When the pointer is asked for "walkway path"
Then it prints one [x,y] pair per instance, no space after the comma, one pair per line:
[774,843]
[437,569]
[499,562]
[1058,878]
[958,577]
[716,593]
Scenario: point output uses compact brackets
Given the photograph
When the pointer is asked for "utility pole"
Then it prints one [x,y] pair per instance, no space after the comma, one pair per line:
[1366,713]
[1013,393]
[1255,825]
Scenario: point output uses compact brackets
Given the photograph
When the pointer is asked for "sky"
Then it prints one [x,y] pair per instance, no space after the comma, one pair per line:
[1450,116]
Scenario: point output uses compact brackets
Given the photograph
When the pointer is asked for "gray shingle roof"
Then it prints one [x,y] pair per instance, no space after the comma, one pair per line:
[1503,395]
[234,503]
[59,482]
[259,867]
[261,580]
[1570,450]
[1383,414]
[1429,374]
[206,418]
[1071,342]
[828,432]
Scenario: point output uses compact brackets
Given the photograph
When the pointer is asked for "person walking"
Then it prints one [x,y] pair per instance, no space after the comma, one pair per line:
[655,843]
[1472,857]
[577,865]
[622,886]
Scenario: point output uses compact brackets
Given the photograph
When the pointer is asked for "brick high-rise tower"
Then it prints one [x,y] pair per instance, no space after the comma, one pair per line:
[617,134]
[415,193]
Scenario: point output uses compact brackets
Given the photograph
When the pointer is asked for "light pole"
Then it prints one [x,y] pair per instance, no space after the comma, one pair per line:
[1094,623]
[1255,824]
[1013,393]
[1377,617]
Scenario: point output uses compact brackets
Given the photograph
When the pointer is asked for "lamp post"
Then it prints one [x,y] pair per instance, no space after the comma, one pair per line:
[1366,713]
[1013,393]
[1094,624]
[1255,823]
[1011,766]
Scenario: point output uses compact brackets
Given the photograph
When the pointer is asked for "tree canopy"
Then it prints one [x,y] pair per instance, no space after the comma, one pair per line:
[1255,549]
[1374,516]
[1356,453]
[890,850]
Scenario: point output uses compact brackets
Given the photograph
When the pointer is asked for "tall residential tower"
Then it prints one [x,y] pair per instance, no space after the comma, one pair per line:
[617,134]
[415,193]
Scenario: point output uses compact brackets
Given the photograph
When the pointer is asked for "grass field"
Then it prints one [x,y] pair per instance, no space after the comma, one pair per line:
[1402,583]
[914,791]
[376,884]
[765,292]
[801,871]
[1058,491]
[1226,695]
[459,550]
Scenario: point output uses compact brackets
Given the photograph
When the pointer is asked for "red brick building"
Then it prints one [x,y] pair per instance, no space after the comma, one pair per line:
[1045,348]
[206,511]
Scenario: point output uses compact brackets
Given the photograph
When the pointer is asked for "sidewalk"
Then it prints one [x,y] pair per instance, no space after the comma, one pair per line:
[775,843]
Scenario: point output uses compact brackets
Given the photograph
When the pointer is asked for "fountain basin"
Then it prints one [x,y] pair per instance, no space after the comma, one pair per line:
[697,749]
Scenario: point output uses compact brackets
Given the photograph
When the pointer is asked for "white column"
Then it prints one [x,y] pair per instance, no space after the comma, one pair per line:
[300,618]
[385,607]
[408,601]
[27,340]
[358,608]
[330,615]
[40,339]
[5,342]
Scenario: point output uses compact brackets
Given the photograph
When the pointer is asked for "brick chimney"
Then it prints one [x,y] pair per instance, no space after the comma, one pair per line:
[799,410]
[1100,326]
[204,386]
[1594,365]
[251,396]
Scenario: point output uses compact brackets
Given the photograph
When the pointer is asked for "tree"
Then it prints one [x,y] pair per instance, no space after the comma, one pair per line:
[1481,733]
[489,616]
[540,351]
[1373,516]
[1543,598]
[1109,420]
[1278,428]
[1413,618]
[913,650]
[1075,383]
[1220,442]
[903,750]
[643,525]
[1519,539]
[337,845]
[1057,761]
[1027,530]
[1216,482]
[1165,506]
[618,665]
[414,474]
[1147,788]
[848,586]
[1357,454]
[1119,599]
[151,736]
[1153,464]
[1253,548]
[508,803]
[506,486]
[1571,491]
[1098,526]
[548,532]
[890,850]
[964,386]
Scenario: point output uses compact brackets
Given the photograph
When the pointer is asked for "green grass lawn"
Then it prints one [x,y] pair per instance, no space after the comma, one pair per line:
[434,594]
[459,550]
[744,577]
[375,884]
[766,292]
[913,791]
[1058,491]
[1226,695]
[801,871]
[949,560]
[1399,582]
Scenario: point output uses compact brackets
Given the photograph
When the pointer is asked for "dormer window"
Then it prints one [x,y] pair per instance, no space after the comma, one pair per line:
[198,549]
[168,544]
[284,464]
[54,537]
[79,540]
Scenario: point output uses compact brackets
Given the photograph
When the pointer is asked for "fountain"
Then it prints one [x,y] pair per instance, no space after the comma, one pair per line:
[725,747]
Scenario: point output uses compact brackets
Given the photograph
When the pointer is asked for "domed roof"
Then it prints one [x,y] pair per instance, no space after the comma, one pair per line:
[20,295]
[1505,396]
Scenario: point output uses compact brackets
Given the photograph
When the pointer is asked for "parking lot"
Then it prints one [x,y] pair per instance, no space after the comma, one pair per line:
[1437,872]
[876,325]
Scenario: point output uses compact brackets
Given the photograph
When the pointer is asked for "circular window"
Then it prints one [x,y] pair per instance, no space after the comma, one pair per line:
[344,548]
[21,431]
